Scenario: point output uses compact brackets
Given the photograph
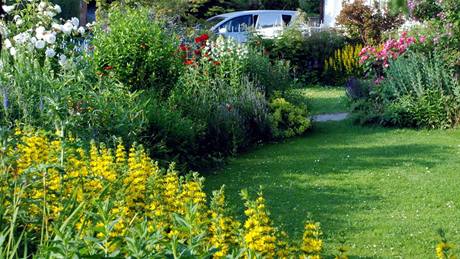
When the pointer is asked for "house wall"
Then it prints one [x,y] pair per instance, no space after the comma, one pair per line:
[332,9]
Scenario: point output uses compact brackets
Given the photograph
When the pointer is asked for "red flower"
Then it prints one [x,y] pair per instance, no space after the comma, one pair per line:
[188,62]
[107,68]
[202,38]
[197,52]
[216,63]
[183,47]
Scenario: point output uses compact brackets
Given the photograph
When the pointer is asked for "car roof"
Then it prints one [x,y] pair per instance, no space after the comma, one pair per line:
[234,14]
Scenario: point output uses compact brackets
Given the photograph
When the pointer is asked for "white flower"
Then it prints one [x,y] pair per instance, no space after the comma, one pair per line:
[33,40]
[13,51]
[62,60]
[50,13]
[75,21]
[8,44]
[19,22]
[56,27]
[40,44]
[81,30]
[50,52]
[67,27]
[8,8]
[16,17]
[41,6]
[57,9]
[40,32]
[50,38]
[21,38]
[3,29]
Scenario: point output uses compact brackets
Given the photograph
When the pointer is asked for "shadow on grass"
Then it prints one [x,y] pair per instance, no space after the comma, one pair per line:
[311,176]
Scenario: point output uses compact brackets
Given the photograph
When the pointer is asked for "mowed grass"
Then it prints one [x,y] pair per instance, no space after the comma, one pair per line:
[385,192]
[321,99]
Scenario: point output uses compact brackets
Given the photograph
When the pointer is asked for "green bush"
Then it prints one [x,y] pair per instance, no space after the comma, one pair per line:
[73,100]
[305,53]
[136,49]
[288,120]
[419,91]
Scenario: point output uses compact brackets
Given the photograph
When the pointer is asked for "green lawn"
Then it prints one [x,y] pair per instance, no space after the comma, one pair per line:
[384,191]
[323,99]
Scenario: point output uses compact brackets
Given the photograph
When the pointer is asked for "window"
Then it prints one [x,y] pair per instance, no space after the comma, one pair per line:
[286,19]
[238,24]
[269,21]
[214,21]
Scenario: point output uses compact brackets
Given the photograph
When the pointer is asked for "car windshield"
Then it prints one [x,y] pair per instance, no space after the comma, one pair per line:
[214,21]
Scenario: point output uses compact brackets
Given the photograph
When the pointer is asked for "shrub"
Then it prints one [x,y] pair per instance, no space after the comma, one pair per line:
[137,50]
[305,53]
[58,200]
[418,91]
[73,100]
[218,93]
[288,120]
[367,23]
[343,64]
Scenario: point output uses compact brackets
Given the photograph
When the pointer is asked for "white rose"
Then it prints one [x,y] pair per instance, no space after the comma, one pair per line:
[40,32]
[62,60]
[50,52]
[41,6]
[81,30]
[75,21]
[40,44]
[67,28]
[8,8]
[8,44]
[21,38]
[56,27]
[50,13]
[50,38]
[57,9]
[13,51]
[19,22]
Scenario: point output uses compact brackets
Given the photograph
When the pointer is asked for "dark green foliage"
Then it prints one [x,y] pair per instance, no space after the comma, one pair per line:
[137,50]
[70,8]
[305,53]
[427,9]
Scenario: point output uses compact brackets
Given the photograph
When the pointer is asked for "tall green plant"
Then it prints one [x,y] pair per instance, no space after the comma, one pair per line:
[137,50]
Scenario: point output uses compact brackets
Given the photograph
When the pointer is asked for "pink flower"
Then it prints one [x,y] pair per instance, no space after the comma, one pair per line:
[422,39]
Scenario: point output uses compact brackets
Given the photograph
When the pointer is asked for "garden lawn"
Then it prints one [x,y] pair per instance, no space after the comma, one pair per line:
[385,192]
[322,100]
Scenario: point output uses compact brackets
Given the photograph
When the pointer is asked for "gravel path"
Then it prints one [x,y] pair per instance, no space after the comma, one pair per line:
[330,117]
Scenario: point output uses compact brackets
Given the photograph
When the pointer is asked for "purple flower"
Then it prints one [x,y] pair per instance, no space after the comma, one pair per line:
[6,101]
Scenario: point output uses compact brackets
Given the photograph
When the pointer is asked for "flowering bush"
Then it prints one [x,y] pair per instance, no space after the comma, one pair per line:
[343,64]
[376,59]
[418,91]
[59,200]
[216,92]
[34,28]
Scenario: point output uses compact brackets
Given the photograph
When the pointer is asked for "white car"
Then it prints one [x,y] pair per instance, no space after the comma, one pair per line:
[266,23]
